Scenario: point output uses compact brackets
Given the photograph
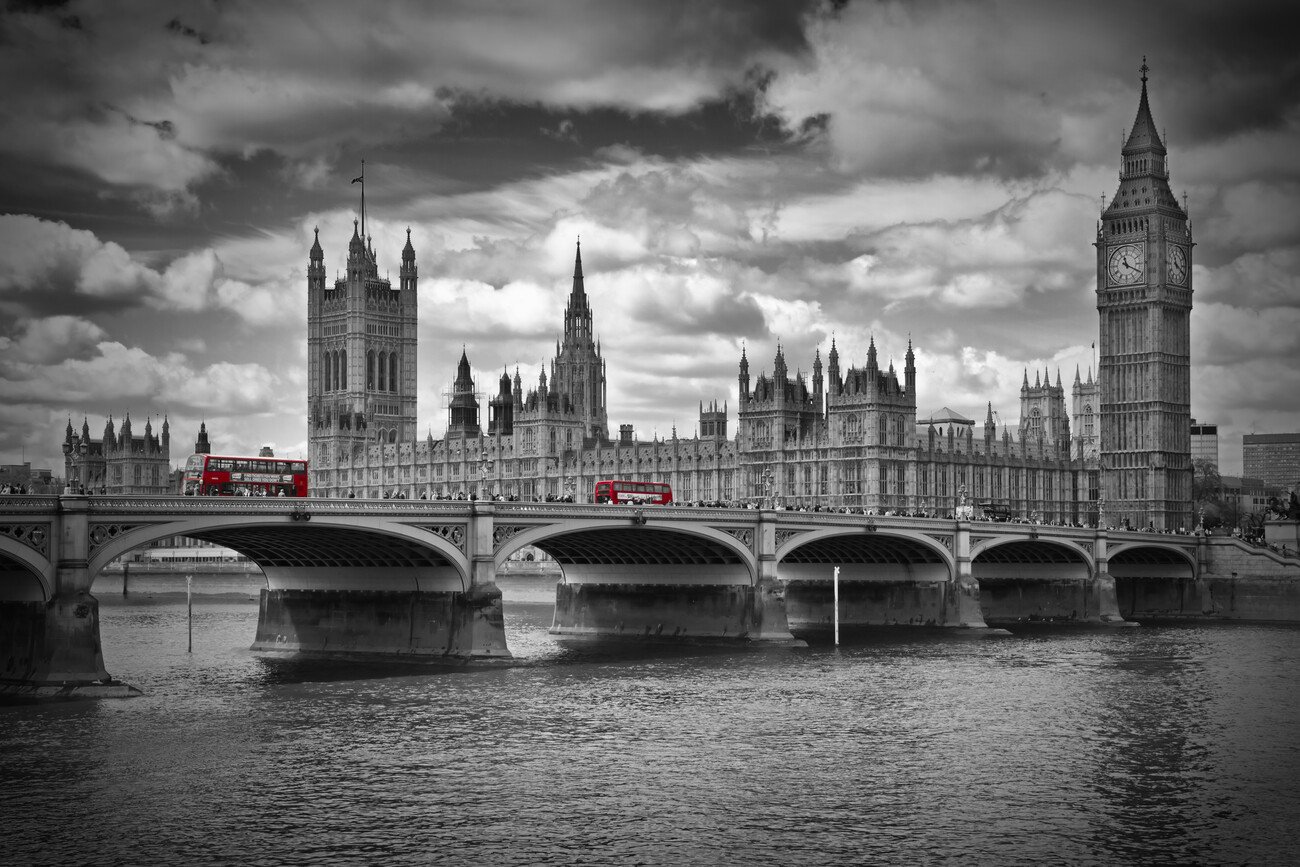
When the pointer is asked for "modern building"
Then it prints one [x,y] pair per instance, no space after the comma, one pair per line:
[1144,298]
[26,478]
[849,438]
[1250,495]
[1205,442]
[1275,458]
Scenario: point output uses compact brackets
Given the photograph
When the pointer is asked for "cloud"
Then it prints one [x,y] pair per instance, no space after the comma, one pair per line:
[151,100]
[47,341]
[48,267]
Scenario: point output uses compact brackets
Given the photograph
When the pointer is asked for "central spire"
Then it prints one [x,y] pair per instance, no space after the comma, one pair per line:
[578,289]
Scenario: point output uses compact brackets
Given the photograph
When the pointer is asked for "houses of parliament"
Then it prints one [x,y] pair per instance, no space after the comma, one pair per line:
[851,437]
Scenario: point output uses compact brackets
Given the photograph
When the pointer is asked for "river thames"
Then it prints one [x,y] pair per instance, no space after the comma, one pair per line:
[1156,745]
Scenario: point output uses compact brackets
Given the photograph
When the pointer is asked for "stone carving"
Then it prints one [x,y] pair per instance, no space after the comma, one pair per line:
[744,535]
[34,536]
[501,533]
[944,539]
[783,536]
[978,540]
[101,533]
[1087,548]
[453,533]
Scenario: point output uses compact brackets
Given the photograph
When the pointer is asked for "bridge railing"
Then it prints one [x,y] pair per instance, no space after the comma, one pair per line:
[178,505]
[11,503]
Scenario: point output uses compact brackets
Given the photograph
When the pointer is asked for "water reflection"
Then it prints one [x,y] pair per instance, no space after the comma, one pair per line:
[1150,745]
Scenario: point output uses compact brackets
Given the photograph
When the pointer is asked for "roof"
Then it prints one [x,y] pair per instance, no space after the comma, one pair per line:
[946,416]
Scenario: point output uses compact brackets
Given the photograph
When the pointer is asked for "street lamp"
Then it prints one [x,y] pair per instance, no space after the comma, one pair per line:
[768,483]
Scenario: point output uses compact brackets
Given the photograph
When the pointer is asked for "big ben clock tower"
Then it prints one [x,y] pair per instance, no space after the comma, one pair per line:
[1144,298]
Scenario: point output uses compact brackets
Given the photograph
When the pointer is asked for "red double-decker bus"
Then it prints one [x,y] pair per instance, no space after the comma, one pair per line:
[221,476]
[638,493]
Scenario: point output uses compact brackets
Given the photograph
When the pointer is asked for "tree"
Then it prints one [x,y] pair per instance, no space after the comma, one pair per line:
[1221,508]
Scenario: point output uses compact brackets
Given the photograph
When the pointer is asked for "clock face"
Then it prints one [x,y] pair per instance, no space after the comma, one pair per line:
[1124,265]
[1177,266]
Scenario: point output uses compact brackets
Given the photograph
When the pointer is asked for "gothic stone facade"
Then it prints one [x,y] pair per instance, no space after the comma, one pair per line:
[119,462]
[852,439]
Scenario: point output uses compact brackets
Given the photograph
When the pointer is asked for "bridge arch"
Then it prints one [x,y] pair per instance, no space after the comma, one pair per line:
[645,553]
[25,576]
[1154,580]
[1026,579]
[1030,550]
[327,552]
[1144,559]
[881,554]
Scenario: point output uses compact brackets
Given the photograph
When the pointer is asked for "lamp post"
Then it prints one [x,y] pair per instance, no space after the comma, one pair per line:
[961,502]
[768,483]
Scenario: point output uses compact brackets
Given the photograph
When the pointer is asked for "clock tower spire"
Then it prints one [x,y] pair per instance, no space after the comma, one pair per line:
[1144,299]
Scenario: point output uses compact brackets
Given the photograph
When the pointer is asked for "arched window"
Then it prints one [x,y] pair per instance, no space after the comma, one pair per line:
[882,428]
[392,371]
[383,371]
[392,435]
[370,369]
[325,373]
[1087,420]
[1035,422]
[343,369]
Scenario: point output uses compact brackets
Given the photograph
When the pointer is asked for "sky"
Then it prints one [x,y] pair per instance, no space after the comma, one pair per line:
[741,174]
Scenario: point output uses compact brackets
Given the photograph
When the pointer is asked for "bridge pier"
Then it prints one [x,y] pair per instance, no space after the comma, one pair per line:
[420,613]
[713,596]
[51,648]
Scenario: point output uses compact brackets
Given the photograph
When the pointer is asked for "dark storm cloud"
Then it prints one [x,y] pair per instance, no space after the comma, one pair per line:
[738,172]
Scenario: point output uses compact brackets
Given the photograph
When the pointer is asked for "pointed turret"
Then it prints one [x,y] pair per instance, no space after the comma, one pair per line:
[743,382]
[871,355]
[836,385]
[817,379]
[316,254]
[909,370]
[356,246]
[201,446]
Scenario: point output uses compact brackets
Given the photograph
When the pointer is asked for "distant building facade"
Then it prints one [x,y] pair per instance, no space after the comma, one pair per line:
[849,438]
[1205,442]
[120,461]
[1274,458]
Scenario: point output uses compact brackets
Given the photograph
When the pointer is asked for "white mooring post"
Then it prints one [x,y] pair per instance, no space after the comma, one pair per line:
[836,583]
[189,609]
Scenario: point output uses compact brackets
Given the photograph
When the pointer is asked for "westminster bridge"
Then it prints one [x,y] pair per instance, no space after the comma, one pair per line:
[417,578]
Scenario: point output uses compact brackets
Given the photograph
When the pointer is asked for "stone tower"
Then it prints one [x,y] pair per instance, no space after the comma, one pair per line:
[361,345]
[1043,419]
[1144,298]
[579,371]
[462,404]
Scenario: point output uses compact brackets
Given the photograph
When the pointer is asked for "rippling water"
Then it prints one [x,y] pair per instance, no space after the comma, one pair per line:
[1155,745]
